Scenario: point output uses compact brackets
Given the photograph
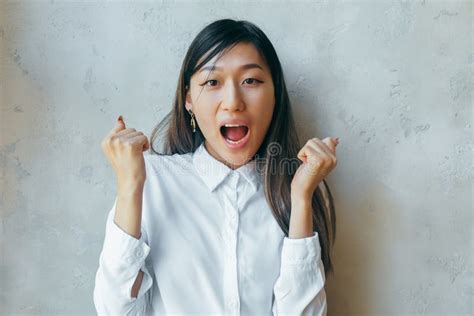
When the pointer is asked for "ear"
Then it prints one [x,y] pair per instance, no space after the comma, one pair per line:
[189,101]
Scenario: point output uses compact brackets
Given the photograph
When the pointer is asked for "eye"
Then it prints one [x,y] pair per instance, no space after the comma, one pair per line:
[253,79]
[207,82]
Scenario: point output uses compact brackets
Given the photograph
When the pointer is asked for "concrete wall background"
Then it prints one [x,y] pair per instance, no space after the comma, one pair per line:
[392,79]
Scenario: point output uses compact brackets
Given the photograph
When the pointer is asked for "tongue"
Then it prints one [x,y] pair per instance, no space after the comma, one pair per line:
[235,133]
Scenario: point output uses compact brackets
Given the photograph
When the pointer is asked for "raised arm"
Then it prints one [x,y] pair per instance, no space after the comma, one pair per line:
[299,289]
[123,281]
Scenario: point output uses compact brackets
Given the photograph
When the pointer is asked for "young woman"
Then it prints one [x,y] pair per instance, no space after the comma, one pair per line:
[234,216]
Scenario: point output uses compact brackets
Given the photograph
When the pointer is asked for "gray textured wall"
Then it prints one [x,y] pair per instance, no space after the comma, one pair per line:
[392,79]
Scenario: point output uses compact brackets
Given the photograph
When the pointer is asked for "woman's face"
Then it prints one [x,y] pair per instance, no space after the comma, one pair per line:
[233,104]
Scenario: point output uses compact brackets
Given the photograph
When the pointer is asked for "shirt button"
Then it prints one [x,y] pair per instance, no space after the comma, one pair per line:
[232,215]
[139,253]
[232,304]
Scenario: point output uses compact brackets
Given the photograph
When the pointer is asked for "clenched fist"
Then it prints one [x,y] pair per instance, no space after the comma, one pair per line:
[124,149]
[319,159]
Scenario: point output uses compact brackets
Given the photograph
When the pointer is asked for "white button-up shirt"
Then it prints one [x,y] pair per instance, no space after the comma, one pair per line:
[209,246]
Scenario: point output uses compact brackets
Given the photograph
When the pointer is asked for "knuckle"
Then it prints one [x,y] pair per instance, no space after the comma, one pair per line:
[114,140]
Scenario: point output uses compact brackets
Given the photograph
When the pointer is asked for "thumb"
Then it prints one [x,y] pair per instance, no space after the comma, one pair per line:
[120,125]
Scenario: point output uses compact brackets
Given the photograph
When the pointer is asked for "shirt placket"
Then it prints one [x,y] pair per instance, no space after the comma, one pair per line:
[231,267]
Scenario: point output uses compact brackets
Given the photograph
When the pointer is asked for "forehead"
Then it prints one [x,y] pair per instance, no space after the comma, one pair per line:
[234,58]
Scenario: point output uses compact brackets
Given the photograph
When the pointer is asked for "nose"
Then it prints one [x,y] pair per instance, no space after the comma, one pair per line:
[232,98]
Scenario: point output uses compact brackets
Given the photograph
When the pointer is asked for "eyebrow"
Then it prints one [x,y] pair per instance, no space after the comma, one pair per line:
[246,66]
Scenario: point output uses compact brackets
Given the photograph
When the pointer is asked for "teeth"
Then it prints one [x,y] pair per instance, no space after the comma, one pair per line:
[232,125]
[233,142]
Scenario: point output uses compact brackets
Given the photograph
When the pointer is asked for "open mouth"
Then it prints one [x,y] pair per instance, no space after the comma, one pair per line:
[234,133]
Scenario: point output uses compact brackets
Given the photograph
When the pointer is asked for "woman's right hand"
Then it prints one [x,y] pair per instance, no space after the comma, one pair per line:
[124,149]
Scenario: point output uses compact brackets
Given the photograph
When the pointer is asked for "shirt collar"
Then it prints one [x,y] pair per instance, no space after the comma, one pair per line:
[213,172]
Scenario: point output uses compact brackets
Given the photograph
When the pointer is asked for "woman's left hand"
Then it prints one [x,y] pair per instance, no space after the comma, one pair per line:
[319,159]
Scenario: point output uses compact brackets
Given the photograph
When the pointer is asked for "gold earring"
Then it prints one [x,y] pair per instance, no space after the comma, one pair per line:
[193,121]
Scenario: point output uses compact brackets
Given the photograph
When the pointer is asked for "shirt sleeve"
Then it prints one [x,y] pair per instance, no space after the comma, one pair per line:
[121,258]
[299,289]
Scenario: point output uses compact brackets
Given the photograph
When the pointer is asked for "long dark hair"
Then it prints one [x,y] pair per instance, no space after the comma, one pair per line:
[281,143]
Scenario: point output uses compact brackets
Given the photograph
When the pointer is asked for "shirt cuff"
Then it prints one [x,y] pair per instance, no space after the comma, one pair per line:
[120,247]
[300,250]
[147,283]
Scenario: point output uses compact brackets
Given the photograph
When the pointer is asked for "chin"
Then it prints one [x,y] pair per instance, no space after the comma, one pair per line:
[239,159]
